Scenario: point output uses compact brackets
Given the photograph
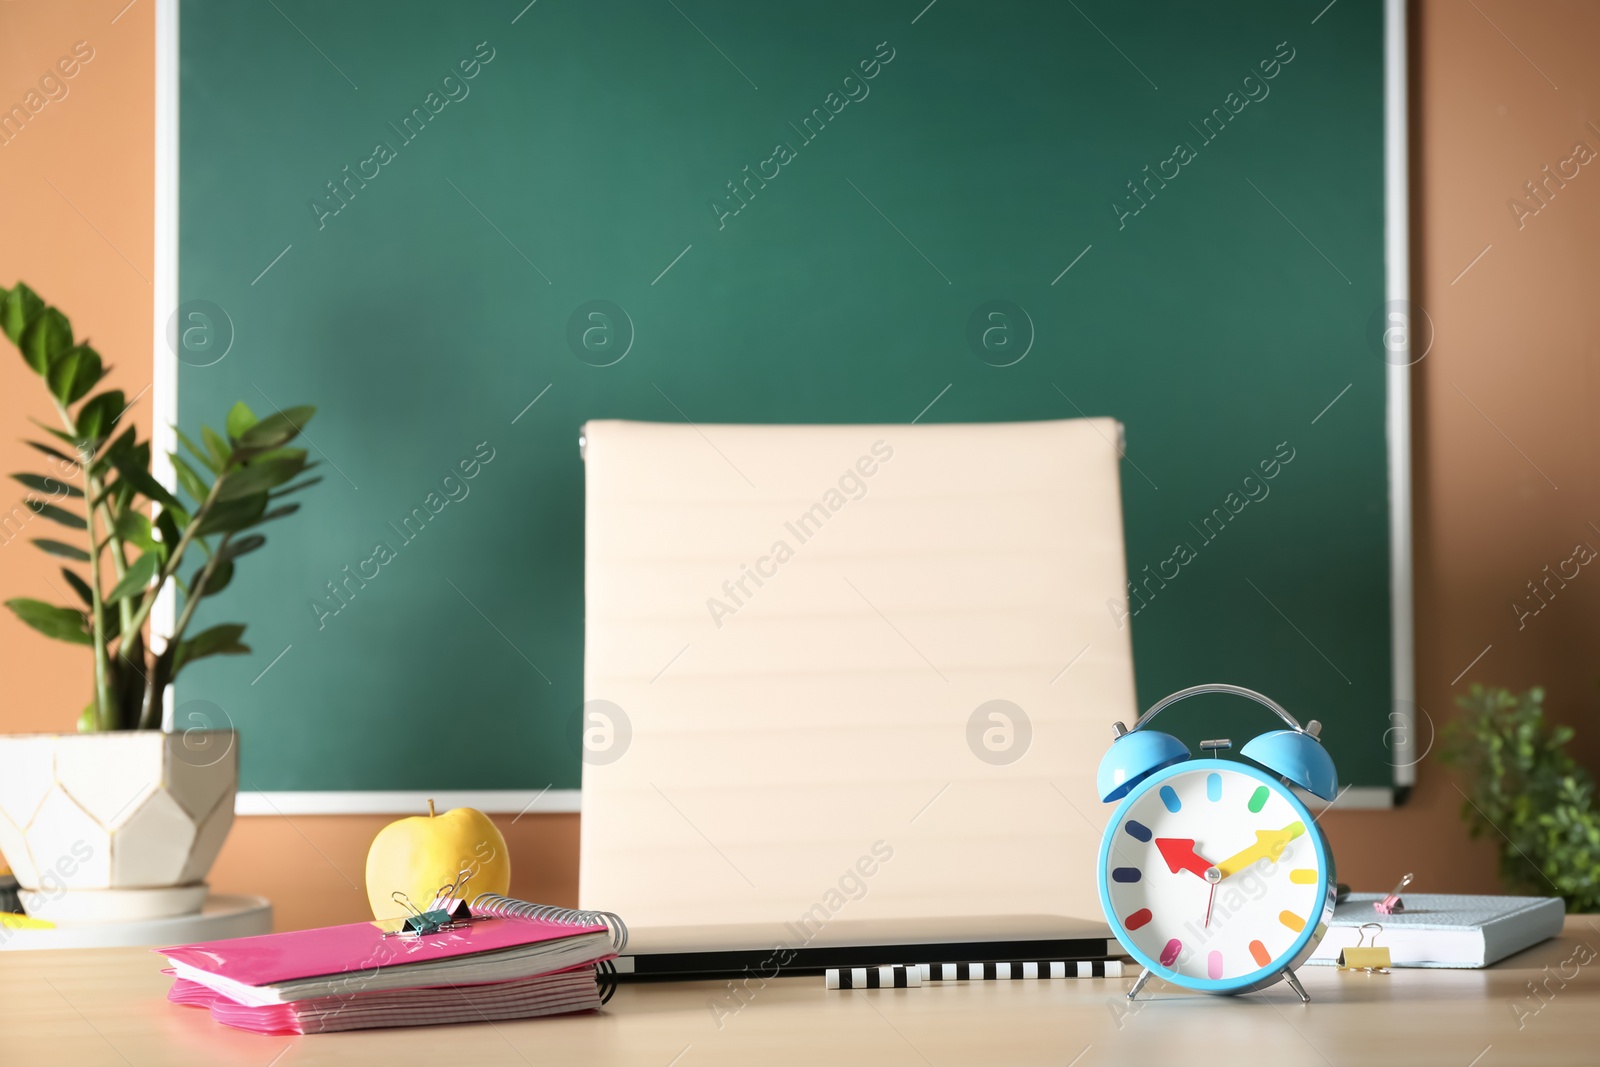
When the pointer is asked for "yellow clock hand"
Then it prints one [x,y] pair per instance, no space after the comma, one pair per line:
[1269,845]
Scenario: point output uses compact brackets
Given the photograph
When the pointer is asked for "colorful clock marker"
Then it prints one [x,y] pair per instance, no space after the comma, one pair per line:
[1137,919]
[1137,830]
[1213,787]
[1169,797]
[1259,951]
[1169,955]
[1292,921]
[1303,876]
[1214,965]
[1126,874]
[1258,799]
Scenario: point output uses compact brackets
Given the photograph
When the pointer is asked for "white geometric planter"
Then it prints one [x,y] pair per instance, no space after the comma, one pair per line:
[115,826]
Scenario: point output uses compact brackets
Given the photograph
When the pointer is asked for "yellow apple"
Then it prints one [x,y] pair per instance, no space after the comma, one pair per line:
[419,854]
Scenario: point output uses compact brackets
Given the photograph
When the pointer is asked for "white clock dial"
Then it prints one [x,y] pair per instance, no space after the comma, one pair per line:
[1214,874]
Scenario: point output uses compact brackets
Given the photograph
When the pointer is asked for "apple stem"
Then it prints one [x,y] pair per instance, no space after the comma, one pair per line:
[430,808]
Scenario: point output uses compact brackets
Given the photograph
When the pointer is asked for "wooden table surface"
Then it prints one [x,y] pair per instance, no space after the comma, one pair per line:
[86,1008]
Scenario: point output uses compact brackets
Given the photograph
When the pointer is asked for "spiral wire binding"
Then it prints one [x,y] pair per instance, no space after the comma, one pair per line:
[605,979]
[605,972]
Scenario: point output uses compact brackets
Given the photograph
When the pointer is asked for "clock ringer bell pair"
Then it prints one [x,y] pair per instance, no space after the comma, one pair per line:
[1212,873]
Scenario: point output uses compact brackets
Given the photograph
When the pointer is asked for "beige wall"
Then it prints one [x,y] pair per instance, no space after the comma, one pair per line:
[1501,408]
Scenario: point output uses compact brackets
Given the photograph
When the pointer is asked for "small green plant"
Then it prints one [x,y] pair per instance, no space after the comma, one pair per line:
[1528,794]
[131,532]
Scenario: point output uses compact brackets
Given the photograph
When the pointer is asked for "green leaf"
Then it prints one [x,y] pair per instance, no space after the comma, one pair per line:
[240,419]
[220,578]
[220,450]
[63,624]
[18,309]
[297,486]
[298,454]
[75,373]
[277,429]
[133,527]
[166,524]
[242,546]
[218,641]
[112,625]
[56,548]
[197,452]
[192,483]
[278,513]
[55,514]
[127,441]
[53,487]
[45,339]
[231,516]
[49,451]
[60,435]
[140,571]
[127,463]
[79,586]
[121,494]
[262,474]
[98,416]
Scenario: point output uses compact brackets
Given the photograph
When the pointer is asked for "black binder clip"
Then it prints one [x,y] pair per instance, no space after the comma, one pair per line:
[452,900]
[448,911]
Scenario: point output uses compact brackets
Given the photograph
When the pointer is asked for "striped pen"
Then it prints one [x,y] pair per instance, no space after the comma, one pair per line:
[897,977]
[915,974]
[1007,970]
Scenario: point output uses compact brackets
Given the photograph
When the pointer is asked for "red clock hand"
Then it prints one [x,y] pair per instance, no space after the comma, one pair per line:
[1180,856]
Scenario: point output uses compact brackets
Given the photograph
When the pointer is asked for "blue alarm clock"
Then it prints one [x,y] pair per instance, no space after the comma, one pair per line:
[1213,874]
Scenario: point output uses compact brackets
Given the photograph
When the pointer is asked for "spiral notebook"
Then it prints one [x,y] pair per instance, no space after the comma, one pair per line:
[506,940]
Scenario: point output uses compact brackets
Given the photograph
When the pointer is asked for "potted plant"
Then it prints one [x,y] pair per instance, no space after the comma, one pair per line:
[1527,793]
[123,820]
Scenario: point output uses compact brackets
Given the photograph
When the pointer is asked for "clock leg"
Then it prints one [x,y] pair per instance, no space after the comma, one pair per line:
[1138,983]
[1294,984]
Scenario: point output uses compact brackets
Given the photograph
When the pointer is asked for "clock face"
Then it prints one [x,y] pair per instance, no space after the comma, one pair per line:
[1214,872]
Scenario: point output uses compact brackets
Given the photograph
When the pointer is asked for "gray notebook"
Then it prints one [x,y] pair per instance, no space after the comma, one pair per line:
[1444,930]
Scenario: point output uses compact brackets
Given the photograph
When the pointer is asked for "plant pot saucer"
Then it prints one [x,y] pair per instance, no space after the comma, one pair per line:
[82,906]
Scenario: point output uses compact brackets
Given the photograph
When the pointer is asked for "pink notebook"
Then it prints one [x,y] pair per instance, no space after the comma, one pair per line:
[268,959]
[333,960]
[551,994]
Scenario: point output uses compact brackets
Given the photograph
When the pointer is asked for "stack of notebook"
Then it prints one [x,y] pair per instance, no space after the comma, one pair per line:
[497,965]
[1441,929]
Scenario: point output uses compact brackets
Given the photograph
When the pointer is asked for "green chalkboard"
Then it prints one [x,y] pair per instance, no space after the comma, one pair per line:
[424,217]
